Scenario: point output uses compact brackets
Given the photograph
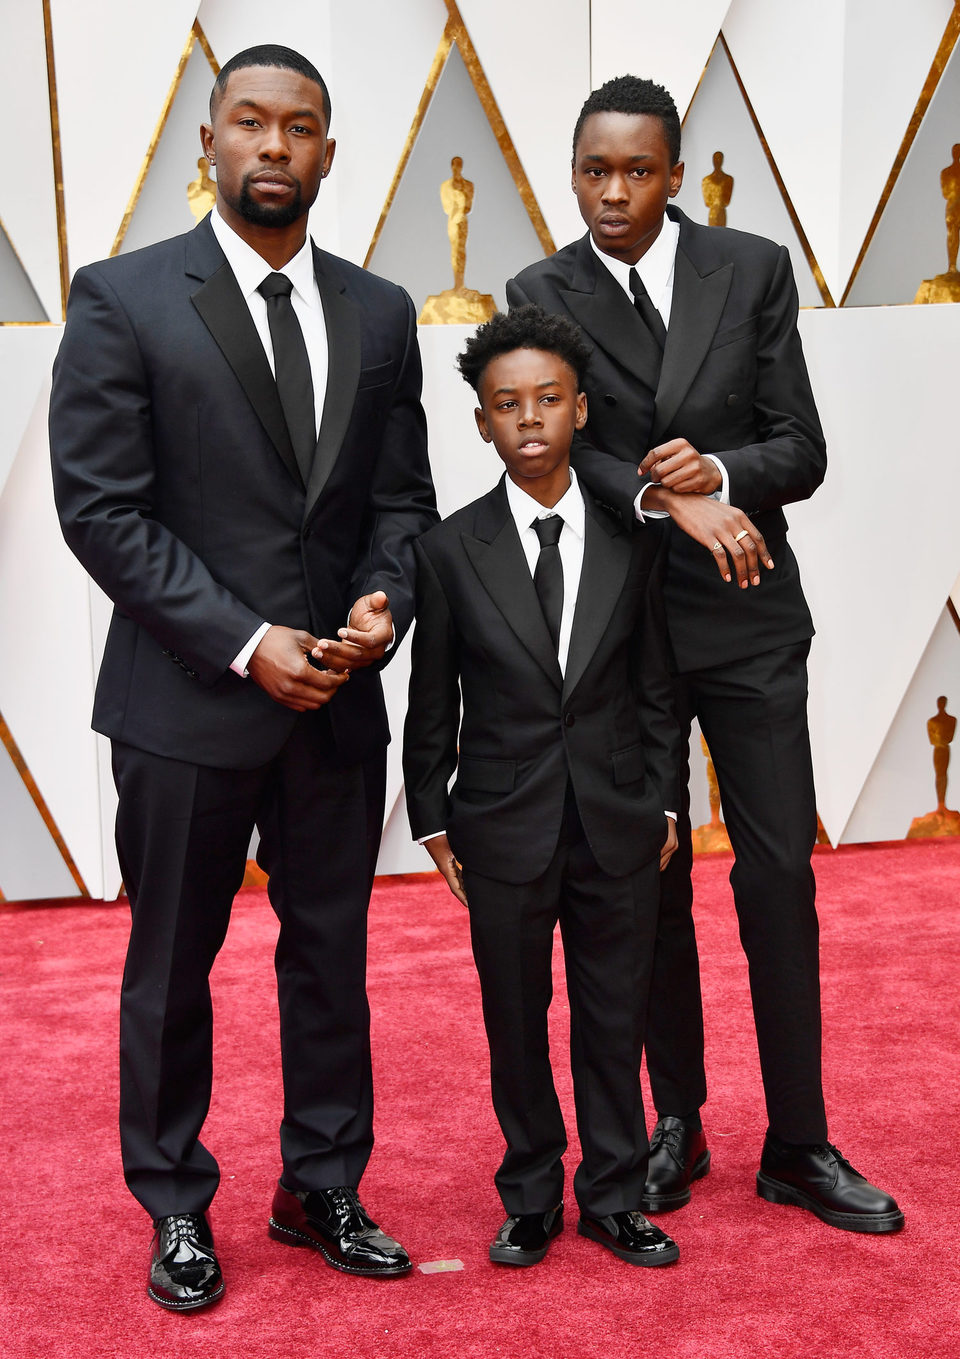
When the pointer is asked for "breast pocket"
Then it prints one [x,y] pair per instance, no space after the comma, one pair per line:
[742,331]
[377,374]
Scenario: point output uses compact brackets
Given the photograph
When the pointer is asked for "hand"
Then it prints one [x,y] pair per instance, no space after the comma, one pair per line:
[678,466]
[723,530]
[280,666]
[364,640]
[668,849]
[442,855]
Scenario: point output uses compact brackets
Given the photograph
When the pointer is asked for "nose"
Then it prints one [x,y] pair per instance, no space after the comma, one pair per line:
[615,189]
[528,413]
[274,144]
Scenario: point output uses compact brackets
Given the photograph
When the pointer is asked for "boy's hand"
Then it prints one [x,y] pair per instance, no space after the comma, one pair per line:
[442,855]
[670,844]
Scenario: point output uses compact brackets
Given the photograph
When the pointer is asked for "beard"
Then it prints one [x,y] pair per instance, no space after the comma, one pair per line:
[268,214]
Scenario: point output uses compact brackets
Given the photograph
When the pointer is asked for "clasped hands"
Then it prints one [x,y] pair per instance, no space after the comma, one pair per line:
[281,663]
[683,484]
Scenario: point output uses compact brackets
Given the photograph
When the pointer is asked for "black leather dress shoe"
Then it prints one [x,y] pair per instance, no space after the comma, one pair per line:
[525,1239]
[184,1272]
[333,1222]
[678,1156]
[632,1237]
[819,1179]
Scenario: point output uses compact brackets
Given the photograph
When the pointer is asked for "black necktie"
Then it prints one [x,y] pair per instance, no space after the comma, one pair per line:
[292,368]
[651,317]
[548,577]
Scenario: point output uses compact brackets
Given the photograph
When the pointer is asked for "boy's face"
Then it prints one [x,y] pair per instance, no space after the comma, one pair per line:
[622,177]
[529,409]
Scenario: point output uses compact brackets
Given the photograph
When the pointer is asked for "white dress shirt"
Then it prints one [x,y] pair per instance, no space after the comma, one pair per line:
[656,269]
[250,270]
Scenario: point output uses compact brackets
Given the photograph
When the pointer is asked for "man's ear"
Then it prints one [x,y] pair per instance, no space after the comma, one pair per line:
[676,178]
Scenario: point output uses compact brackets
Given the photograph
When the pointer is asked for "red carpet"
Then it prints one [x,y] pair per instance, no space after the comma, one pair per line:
[754,1281]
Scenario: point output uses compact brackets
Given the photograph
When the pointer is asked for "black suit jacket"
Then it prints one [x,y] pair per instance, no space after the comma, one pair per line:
[179,492]
[607,723]
[733,382]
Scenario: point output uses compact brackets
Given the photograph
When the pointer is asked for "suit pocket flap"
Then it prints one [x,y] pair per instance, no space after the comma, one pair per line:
[629,765]
[376,374]
[487,776]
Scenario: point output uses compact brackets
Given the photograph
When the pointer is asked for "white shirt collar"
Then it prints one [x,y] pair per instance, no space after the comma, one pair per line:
[569,507]
[250,269]
[655,267]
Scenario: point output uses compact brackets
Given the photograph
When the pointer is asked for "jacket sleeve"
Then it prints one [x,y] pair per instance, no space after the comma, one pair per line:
[401,502]
[658,718]
[104,478]
[433,712]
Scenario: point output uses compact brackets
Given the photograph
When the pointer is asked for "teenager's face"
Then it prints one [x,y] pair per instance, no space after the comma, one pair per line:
[622,177]
[529,410]
[269,143]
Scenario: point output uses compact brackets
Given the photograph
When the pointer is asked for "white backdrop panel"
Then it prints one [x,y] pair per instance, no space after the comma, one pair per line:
[878,544]
[668,43]
[30,217]
[46,688]
[115,64]
[558,32]
[26,353]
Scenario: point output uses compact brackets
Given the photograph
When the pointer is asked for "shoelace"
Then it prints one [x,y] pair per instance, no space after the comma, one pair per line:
[669,1138]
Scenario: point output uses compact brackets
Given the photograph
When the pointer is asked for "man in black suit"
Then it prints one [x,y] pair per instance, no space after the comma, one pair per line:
[697,380]
[547,616]
[240,462]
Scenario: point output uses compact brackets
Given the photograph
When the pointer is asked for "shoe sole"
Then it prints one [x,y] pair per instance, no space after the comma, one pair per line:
[649,1259]
[667,1203]
[775,1191]
[172,1306]
[290,1236]
[503,1255]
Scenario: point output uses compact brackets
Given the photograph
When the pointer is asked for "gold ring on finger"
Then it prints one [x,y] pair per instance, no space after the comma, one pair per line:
[744,533]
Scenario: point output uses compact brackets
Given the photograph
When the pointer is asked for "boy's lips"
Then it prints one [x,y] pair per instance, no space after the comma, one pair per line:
[532,445]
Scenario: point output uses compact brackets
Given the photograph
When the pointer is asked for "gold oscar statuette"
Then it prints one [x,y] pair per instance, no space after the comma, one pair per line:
[202,191]
[717,190]
[940,732]
[946,287]
[458,305]
[712,837]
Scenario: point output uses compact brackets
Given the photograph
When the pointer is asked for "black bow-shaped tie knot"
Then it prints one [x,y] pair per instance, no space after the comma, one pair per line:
[651,317]
[548,576]
[291,366]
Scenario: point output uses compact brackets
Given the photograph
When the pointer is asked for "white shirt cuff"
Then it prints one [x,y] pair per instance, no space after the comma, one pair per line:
[643,514]
[723,495]
[434,835]
[239,664]
[672,815]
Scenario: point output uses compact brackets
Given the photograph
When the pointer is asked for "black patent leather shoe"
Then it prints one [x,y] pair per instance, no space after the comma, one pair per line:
[819,1179]
[630,1236]
[184,1271]
[678,1156]
[333,1221]
[525,1239]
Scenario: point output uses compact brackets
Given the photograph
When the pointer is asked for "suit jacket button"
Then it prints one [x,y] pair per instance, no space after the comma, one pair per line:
[610,399]
[568,719]
[732,399]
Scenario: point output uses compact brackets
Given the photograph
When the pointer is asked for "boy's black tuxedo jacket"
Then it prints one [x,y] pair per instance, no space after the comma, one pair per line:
[179,491]
[607,724]
[733,382]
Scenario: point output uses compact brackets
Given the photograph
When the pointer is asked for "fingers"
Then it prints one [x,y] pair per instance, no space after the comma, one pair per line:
[742,546]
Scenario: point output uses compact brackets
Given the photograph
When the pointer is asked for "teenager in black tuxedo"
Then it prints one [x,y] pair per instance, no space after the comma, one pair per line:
[545,615]
[697,379]
[255,536]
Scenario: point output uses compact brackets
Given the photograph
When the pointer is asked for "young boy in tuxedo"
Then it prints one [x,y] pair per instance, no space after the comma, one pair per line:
[540,612]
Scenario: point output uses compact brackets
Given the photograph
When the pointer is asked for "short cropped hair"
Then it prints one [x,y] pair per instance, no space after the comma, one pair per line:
[526,327]
[270,54]
[632,94]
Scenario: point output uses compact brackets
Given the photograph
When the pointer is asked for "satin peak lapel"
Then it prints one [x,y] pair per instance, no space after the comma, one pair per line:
[227,317]
[602,309]
[606,560]
[695,312]
[342,322]
[499,561]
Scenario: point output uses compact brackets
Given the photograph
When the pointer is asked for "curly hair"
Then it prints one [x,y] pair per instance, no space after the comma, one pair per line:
[527,327]
[632,94]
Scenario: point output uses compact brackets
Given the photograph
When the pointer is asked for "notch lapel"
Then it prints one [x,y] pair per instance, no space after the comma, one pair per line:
[698,302]
[606,560]
[499,561]
[227,317]
[341,320]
